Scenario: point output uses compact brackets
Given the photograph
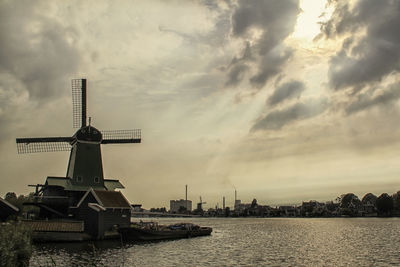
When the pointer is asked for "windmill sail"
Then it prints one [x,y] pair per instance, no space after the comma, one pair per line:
[121,136]
[43,144]
[79,102]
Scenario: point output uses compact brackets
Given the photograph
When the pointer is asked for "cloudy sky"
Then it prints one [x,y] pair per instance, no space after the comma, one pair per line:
[283,100]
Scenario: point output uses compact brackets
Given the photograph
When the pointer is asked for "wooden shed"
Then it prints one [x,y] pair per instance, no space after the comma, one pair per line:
[103,212]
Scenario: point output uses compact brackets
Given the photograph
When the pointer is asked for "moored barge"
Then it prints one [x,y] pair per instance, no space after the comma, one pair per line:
[151,231]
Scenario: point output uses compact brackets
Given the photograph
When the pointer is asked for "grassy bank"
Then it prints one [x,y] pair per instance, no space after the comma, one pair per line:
[15,244]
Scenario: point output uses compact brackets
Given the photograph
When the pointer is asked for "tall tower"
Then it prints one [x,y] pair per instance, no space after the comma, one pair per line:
[237,201]
[186,202]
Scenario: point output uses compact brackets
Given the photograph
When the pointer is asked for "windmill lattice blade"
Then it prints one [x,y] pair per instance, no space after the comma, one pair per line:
[43,147]
[79,102]
[122,136]
[43,144]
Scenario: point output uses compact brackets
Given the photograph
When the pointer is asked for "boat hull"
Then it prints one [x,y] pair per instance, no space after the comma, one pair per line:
[138,234]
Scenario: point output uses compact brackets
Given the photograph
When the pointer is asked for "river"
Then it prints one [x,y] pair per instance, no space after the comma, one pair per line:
[246,242]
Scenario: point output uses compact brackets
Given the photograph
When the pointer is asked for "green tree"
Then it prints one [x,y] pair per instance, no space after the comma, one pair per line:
[227,211]
[369,203]
[396,202]
[11,197]
[350,204]
[369,198]
[384,204]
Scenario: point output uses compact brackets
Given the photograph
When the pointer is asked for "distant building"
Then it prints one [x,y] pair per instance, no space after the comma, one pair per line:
[287,211]
[242,208]
[175,206]
[312,208]
[237,204]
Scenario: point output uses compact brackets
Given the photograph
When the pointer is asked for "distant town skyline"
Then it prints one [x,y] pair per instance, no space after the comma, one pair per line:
[285,101]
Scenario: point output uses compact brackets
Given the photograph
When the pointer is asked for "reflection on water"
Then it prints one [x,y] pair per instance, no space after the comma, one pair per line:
[246,242]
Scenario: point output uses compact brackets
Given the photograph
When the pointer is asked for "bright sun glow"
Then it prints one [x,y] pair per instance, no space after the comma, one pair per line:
[307,26]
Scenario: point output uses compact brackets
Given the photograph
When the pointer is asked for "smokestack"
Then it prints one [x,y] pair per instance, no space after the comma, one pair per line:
[235,196]
[223,203]
[186,199]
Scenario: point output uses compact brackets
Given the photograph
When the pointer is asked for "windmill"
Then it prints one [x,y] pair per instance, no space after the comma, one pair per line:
[200,205]
[85,168]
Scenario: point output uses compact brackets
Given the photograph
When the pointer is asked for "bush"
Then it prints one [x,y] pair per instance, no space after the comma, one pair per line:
[15,244]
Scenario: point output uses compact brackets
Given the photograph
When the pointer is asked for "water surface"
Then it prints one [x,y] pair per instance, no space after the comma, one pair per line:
[246,242]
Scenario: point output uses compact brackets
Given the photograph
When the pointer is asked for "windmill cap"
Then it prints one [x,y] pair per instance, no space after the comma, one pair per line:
[89,134]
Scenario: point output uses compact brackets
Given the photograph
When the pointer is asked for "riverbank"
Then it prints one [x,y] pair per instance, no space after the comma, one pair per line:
[15,244]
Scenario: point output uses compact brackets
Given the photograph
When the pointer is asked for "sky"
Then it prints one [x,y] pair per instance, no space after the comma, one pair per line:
[284,101]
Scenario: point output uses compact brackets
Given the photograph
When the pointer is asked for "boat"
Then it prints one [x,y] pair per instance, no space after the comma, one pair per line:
[152,231]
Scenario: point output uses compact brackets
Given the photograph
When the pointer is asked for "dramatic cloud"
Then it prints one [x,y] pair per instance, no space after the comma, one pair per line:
[36,50]
[238,67]
[275,120]
[285,91]
[270,65]
[38,57]
[263,25]
[365,101]
[369,57]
